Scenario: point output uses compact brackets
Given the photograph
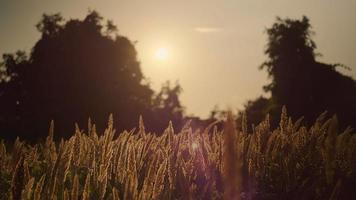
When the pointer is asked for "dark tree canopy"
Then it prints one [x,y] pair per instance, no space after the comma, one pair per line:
[78,69]
[305,86]
[256,110]
[166,105]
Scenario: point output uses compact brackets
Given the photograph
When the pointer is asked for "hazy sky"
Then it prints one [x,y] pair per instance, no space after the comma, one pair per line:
[213,47]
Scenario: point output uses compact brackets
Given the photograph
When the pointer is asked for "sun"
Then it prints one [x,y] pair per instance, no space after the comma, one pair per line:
[162,53]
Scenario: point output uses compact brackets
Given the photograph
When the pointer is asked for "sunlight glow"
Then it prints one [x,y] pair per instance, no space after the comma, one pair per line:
[162,53]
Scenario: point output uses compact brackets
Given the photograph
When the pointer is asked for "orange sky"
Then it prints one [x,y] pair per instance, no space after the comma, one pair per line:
[213,47]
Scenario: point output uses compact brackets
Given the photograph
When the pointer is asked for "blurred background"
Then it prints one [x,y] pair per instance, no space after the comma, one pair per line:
[67,61]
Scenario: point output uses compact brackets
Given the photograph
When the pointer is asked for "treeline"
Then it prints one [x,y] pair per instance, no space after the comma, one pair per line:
[76,70]
[84,68]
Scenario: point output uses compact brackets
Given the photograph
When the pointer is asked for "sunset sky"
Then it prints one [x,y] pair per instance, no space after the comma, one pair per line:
[213,48]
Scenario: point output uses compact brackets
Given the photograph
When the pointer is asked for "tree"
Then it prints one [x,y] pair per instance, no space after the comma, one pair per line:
[167,107]
[78,69]
[290,52]
[256,110]
[305,86]
[12,68]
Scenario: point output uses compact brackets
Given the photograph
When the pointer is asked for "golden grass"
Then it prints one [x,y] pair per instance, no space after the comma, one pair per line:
[290,162]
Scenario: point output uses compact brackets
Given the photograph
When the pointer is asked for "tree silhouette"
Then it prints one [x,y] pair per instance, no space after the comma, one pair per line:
[167,107]
[78,69]
[256,111]
[305,86]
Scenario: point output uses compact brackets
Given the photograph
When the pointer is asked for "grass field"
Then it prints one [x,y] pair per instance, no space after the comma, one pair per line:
[291,162]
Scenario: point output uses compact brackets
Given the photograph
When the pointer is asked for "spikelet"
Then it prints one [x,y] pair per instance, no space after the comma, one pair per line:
[128,192]
[54,173]
[67,160]
[27,175]
[171,171]
[93,134]
[244,123]
[159,180]
[111,122]
[76,146]
[170,133]
[66,195]
[75,188]
[186,125]
[284,120]
[17,183]
[27,192]
[141,130]
[115,194]
[17,151]
[86,191]
[39,186]
[297,124]
[103,186]
[50,147]
[148,183]
[330,148]
[53,189]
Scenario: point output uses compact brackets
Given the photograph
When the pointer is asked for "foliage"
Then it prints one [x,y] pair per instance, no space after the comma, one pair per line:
[77,69]
[166,105]
[291,162]
[307,87]
[256,110]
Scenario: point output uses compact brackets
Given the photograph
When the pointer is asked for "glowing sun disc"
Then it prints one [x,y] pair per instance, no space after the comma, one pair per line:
[161,53]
